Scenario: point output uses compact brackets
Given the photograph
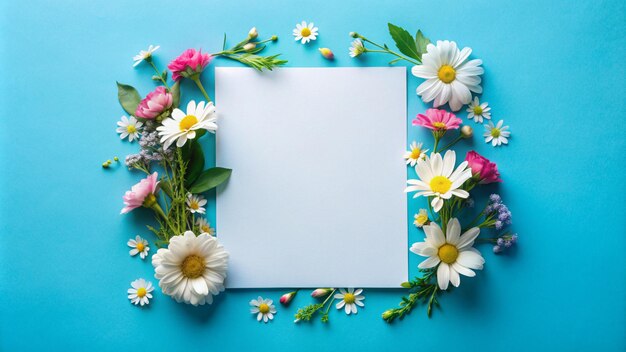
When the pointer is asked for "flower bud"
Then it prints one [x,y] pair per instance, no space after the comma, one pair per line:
[406,284]
[326,53]
[274,38]
[321,292]
[354,34]
[249,46]
[253,33]
[467,131]
[387,314]
[287,297]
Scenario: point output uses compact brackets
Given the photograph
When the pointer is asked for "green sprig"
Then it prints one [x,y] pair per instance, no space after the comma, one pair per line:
[424,291]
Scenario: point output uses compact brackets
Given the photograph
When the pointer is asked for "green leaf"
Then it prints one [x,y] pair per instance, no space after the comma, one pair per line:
[224,43]
[404,41]
[210,179]
[129,97]
[156,78]
[394,61]
[164,75]
[175,94]
[196,162]
[166,187]
[421,42]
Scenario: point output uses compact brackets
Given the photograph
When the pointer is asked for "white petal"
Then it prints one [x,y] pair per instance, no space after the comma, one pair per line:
[468,237]
[443,276]
[429,263]
[453,231]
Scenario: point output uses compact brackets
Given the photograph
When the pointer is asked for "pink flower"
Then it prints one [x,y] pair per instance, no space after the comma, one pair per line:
[482,169]
[188,63]
[140,193]
[321,292]
[154,103]
[287,297]
[436,119]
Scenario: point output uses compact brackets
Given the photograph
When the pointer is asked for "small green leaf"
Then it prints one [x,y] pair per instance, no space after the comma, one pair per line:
[164,75]
[156,78]
[210,179]
[166,187]
[404,41]
[421,42]
[224,43]
[394,61]
[175,94]
[196,162]
[129,97]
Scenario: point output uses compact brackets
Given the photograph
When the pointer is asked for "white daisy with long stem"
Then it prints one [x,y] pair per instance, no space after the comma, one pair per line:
[139,246]
[451,253]
[415,153]
[349,299]
[439,179]
[205,226]
[196,203]
[497,134]
[263,308]
[478,111]
[305,32]
[144,54]
[185,125]
[140,292]
[129,127]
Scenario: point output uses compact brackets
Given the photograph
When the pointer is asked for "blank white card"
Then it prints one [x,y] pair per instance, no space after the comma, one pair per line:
[316,195]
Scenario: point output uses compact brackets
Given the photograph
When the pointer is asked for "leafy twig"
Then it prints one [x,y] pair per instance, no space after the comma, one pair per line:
[425,292]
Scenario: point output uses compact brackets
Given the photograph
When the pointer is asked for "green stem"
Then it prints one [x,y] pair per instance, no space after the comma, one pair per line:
[196,79]
[389,51]
[158,74]
[451,143]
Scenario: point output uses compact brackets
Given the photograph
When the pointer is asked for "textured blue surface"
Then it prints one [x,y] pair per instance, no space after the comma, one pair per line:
[554,72]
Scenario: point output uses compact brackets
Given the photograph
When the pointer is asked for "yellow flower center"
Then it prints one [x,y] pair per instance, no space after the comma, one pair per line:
[140,246]
[192,267]
[187,122]
[448,253]
[439,125]
[141,292]
[415,153]
[446,73]
[421,219]
[194,205]
[131,129]
[495,133]
[264,308]
[348,298]
[440,184]
[305,32]
[206,228]
[478,110]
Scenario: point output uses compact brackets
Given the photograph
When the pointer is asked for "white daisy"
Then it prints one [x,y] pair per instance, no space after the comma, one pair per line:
[357,48]
[182,126]
[416,153]
[139,293]
[263,308]
[144,54]
[421,218]
[497,134]
[478,111]
[350,299]
[453,252]
[305,33]
[204,226]
[439,179]
[129,128]
[191,269]
[195,204]
[450,78]
[139,246]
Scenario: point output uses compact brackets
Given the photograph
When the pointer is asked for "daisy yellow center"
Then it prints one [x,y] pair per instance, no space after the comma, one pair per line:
[187,122]
[131,129]
[264,308]
[305,32]
[421,218]
[141,292]
[348,298]
[415,153]
[439,125]
[192,267]
[140,246]
[440,184]
[446,73]
[495,133]
[478,110]
[206,228]
[448,253]
[194,205]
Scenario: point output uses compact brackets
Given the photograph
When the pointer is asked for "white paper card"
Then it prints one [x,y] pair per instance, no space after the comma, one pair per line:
[316,195]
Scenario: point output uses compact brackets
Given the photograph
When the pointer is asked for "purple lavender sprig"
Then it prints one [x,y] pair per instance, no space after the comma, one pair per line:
[503,242]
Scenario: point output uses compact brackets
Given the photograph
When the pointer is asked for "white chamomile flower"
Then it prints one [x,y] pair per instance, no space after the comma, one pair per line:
[183,126]
[204,226]
[416,153]
[450,78]
[305,33]
[421,218]
[497,134]
[478,111]
[452,252]
[195,203]
[139,293]
[263,308]
[349,300]
[439,179]
[357,48]
[144,54]
[139,246]
[129,128]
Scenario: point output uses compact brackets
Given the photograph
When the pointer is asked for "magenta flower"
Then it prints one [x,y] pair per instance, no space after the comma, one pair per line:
[141,194]
[436,119]
[482,169]
[154,103]
[287,297]
[190,62]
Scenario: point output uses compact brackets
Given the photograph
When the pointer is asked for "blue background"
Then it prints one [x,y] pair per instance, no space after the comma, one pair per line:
[553,71]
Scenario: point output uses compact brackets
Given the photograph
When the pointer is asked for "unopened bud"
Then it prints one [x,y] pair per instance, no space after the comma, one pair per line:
[249,46]
[406,284]
[274,38]
[467,131]
[287,297]
[321,292]
[354,34]
[253,33]
[327,53]
[387,314]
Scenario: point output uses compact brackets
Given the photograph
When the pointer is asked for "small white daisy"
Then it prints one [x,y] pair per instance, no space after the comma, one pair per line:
[195,203]
[139,246]
[416,153]
[497,134]
[183,126]
[357,48]
[129,128]
[305,33]
[139,293]
[204,226]
[421,218]
[263,308]
[144,54]
[478,111]
[350,299]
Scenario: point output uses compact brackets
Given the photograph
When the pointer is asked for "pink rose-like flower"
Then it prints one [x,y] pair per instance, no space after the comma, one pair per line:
[154,103]
[482,168]
[437,119]
[137,195]
[188,63]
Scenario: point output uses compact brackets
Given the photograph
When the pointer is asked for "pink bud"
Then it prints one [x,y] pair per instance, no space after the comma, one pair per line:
[321,292]
[287,297]
[326,53]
